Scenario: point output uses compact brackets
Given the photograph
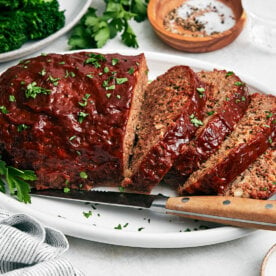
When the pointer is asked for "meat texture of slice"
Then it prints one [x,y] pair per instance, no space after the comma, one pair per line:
[171,113]
[258,180]
[71,118]
[246,143]
[227,101]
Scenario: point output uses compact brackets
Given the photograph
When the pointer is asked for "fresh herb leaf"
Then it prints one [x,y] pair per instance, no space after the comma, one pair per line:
[33,90]
[121,80]
[66,190]
[12,98]
[87,214]
[3,109]
[83,175]
[82,116]
[21,127]
[230,73]
[95,30]
[118,227]
[15,180]
[196,122]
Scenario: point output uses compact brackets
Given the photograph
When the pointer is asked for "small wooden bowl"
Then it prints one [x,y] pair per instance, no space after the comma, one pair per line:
[158,9]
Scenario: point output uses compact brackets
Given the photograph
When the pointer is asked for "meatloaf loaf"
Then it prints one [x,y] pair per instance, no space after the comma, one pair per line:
[71,118]
[227,101]
[171,112]
[247,142]
[258,180]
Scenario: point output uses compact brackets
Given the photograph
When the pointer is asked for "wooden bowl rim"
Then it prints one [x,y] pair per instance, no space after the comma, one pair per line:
[179,37]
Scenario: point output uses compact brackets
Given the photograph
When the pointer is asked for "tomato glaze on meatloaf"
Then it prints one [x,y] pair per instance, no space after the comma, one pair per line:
[251,138]
[227,100]
[170,114]
[71,118]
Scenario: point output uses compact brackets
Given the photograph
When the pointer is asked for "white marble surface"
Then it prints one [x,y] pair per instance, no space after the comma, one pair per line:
[238,258]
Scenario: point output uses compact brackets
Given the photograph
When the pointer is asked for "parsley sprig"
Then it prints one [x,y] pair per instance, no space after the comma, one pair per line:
[16,181]
[95,30]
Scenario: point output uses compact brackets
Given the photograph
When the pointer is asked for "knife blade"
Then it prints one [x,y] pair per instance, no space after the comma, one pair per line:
[241,212]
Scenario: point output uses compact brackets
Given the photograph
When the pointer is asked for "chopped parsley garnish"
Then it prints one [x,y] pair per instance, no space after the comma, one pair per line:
[243,98]
[118,227]
[21,127]
[118,96]
[85,99]
[108,95]
[121,189]
[94,59]
[42,72]
[90,76]
[200,91]
[33,90]
[209,113]
[106,69]
[111,87]
[267,126]
[121,80]
[66,190]
[3,109]
[230,73]
[72,137]
[274,183]
[12,98]
[53,80]
[196,122]
[126,225]
[131,70]
[270,140]
[140,229]
[269,114]
[114,61]
[87,214]
[69,74]
[62,63]
[83,175]
[15,179]
[239,83]
[82,116]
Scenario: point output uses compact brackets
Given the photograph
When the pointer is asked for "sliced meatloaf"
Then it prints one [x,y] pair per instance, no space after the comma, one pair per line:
[227,101]
[71,118]
[171,112]
[258,180]
[246,143]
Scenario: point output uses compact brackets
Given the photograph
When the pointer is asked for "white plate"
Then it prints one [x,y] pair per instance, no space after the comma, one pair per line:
[156,230]
[74,10]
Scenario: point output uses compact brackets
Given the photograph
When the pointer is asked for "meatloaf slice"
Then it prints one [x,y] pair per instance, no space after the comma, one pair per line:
[71,118]
[258,180]
[245,144]
[171,112]
[227,101]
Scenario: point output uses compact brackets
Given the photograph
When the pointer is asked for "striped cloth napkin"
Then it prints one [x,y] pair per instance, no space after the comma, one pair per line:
[27,248]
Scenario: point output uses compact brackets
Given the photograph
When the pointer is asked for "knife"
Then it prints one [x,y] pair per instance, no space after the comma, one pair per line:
[242,212]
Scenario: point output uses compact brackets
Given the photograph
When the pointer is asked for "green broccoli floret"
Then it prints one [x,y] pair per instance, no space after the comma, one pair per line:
[12,32]
[9,4]
[24,20]
[19,4]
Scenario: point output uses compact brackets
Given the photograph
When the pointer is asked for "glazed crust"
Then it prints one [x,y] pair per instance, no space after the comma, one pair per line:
[155,157]
[67,116]
[247,142]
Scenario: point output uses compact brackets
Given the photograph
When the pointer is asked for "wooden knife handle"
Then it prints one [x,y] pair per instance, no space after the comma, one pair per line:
[242,212]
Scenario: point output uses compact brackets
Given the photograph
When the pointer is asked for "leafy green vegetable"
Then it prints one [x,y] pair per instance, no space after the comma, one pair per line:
[22,20]
[95,30]
[15,180]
